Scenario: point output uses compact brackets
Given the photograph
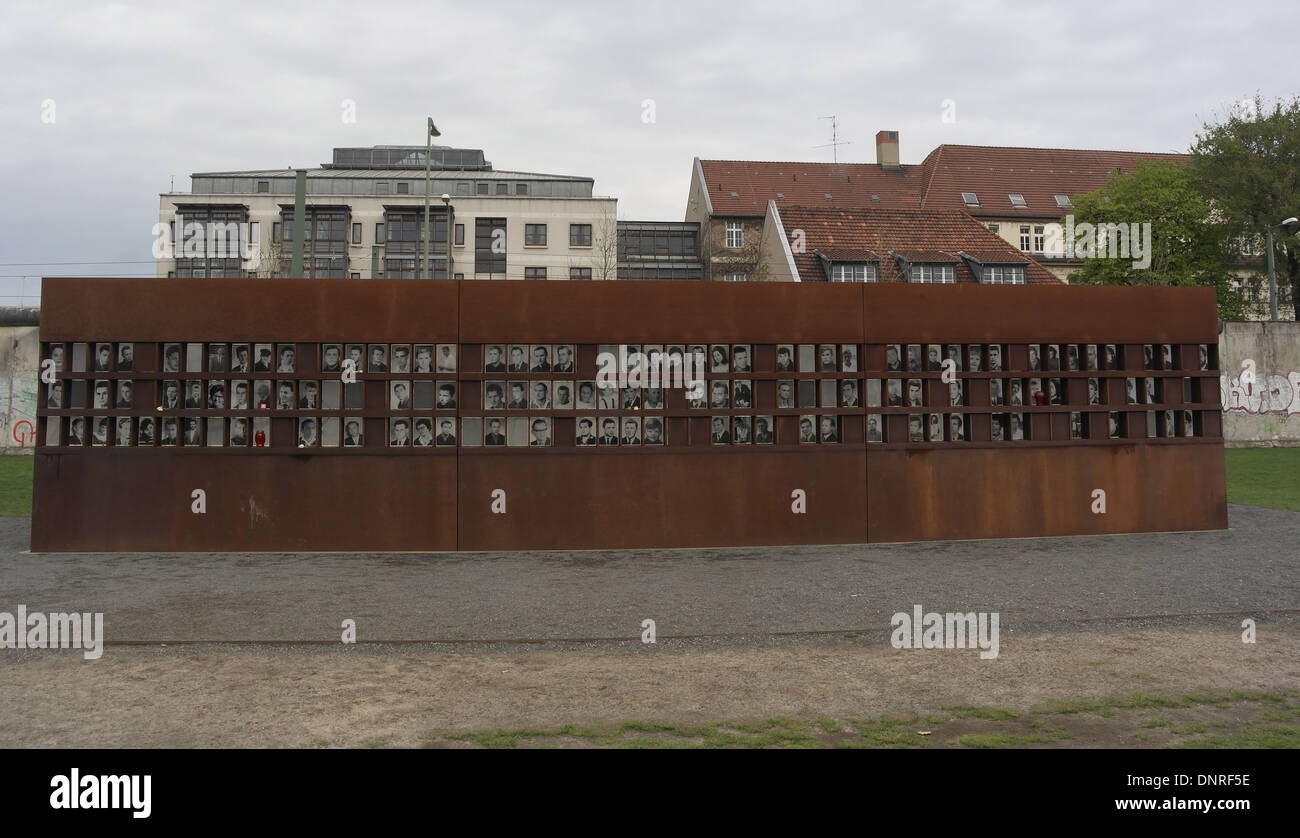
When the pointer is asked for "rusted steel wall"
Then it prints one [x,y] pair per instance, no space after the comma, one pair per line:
[859,475]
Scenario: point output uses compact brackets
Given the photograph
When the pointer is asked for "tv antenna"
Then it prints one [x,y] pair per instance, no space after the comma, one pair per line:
[835,142]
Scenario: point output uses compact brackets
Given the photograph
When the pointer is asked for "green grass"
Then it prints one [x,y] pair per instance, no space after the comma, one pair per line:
[1264,476]
[16,484]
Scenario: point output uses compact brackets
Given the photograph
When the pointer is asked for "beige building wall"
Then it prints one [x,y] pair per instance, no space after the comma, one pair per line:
[557,213]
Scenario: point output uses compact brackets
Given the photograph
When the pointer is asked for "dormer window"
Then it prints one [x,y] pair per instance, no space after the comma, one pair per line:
[1004,275]
[940,274]
[853,272]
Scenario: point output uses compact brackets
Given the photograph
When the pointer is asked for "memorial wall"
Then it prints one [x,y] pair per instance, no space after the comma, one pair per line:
[274,415]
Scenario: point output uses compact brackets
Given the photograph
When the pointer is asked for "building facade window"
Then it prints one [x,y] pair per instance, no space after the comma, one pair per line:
[489,246]
[460,235]
[482,188]
[1024,237]
[379,232]
[325,242]
[740,277]
[579,273]
[938,274]
[1039,235]
[534,273]
[1004,274]
[503,189]
[521,189]
[735,234]
[403,188]
[264,186]
[356,232]
[993,227]
[852,272]
[275,231]
[535,235]
[579,235]
[223,232]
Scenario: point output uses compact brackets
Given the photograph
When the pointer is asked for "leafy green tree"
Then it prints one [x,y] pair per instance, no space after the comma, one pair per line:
[1186,246]
[1248,165]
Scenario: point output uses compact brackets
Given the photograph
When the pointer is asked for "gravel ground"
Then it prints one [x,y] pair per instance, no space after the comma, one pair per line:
[472,641]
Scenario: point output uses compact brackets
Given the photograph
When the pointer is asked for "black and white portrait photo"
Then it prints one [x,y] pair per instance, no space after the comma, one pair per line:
[956,427]
[1055,390]
[654,431]
[378,358]
[169,431]
[785,394]
[170,396]
[763,430]
[1017,396]
[54,394]
[609,397]
[308,395]
[934,357]
[1130,390]
[849,357]
[307,433]
[719,358]
[171,357]
[494,395]
[240,361]
[740,359]
[540,359]
[331,357]
[353,433]
[193,395]
[356,353]
[827,361]
[285,357]
[239,395]
[102,395]
[849,393]
[1204,356]
[239,431]
[995,391]
[263,360]
[1189,424]
[1112,357]
[190,434]
[517,398]
[653,399]
[1017,426]
[742,430]
[873,428]
[935,427]
[1072,358]
[216,395]
[540,396]
[995,357]
[446,432]
[608,431]
[719,395]
[976,354]
[1053,357]
[399,432]
[913,357]
[564,358]
[830,429]
[126,356]
[914,392]
[494,357]
[399,393]
[631,434]
[785,357]
[216,357]
[999,427]
[742,395]
[698,351]
[56,355]
[399,355]
[1090,356]
[123,435]
[422,437]
[77,432]
[721,435]
[956,394]
[145,432]
[518,358]
[103,357]
[446,396]
[915,428]
[446,358]
[807,428]
[1035,361]
[284,397]
[894,386]
[584,433]
[587,395]
[954,355]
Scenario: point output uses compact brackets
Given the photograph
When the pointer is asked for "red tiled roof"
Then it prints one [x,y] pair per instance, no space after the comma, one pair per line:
[1039,174]
[917,234]
[807,184]
[991,172]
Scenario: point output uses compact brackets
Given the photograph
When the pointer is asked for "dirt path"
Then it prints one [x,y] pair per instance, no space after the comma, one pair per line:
[203,696]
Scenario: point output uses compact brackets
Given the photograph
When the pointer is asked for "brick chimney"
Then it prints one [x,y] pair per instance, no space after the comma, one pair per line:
[887,149]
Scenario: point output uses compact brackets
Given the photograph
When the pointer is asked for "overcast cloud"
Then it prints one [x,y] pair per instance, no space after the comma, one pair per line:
[144,92]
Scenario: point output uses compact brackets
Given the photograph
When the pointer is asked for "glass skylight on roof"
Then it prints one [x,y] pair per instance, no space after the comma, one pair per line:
[971,199]
[1017,200]
[1063,201]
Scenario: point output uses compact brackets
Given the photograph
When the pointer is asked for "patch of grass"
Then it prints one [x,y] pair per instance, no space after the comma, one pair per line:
[500,738]
[966,711]
[1188,728]
[1263,476]
[1262,736]
[16,484]
[376,742]
[1159,721]
[1005,740]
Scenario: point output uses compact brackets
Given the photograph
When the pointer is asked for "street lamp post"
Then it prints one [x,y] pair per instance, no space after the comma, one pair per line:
[446,201]
[428,160]
[1272,278]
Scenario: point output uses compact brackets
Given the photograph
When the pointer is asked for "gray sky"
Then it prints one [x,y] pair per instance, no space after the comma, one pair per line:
[145,91]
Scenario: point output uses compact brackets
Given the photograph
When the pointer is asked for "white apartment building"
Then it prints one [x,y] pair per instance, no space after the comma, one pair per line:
[365,218]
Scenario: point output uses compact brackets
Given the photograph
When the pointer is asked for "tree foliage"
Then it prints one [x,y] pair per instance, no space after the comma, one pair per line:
[1186,246]
[1248,166]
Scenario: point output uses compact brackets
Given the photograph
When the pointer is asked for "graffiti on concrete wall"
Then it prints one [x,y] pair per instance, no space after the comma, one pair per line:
[1260,393]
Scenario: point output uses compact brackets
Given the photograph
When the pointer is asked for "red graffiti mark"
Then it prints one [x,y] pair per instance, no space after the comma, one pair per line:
[21,436]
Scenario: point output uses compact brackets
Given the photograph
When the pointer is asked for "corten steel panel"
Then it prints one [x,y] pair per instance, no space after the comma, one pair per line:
[245,310]
[1034,492]
[133,501]
[577,501]
[647,312]
[900,312]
